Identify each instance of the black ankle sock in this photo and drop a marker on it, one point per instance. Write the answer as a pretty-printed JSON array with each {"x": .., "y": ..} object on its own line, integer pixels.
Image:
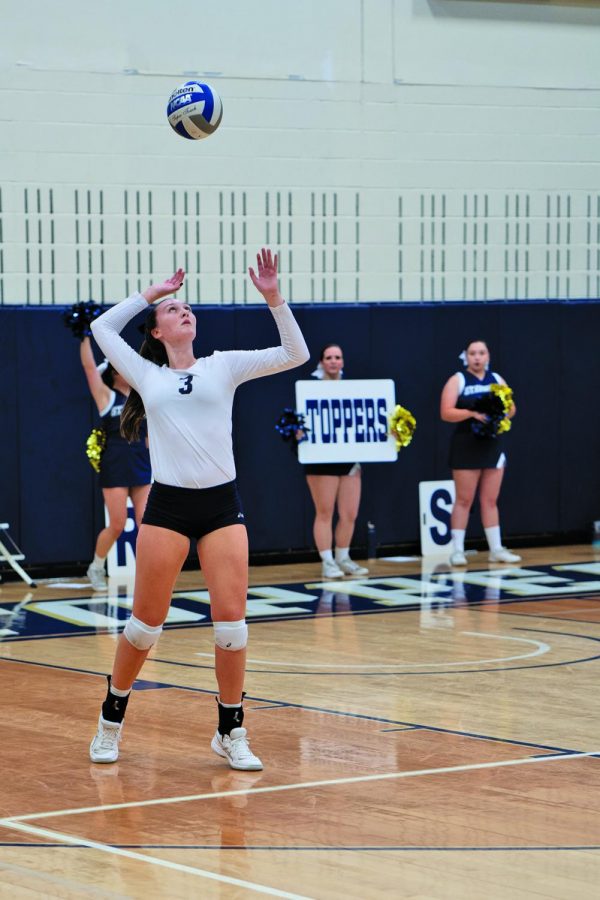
[
  {"x": 230, "y": 717},
  {"x": 113, "y": 708}
]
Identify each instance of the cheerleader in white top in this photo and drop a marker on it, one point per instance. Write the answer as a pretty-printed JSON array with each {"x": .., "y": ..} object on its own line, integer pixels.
[
  {"x": 187, "y": 403},
  {"x": 476, "y": 462}
]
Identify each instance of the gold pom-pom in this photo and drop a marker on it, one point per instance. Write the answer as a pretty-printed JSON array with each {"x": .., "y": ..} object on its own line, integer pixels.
[
  {"x": 505, "y": 395},
  {"x": 95, "y": 445},
  {"x": 402, "y": 426}
]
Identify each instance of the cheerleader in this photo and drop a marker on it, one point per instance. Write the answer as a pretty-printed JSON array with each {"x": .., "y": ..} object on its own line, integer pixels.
[
  {"x": 188, "y": 402},
  {"x": 124, "y": 467},
  {"x": 476, "y": 462},
  {"x": 334, "y": 485}
]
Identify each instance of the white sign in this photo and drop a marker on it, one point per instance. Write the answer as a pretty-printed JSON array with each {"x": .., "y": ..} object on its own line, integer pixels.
[
  {"x": 436, "y": 499},
  {"x": 348, "y": 420},
  {"x": 121, "y": 556}
]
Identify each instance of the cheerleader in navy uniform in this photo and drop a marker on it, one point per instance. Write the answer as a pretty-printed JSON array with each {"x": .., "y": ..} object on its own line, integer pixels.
[
  {"x": 124, "y": 467},
  {"x": 476, "y": 462},
  {"x": 331, "y": 485}
]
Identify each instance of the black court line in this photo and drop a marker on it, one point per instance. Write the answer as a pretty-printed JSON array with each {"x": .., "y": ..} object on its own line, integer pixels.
[
  {"x": 549, "y": 618},
  {"x": 311, "y": 849},
  {"x": 138, "y": 685},
  {"x": 342, "y": 674},
  {"x": 411, "y": 728},
  {"x": 271, "y": 706},
  {"x": 276, "y": 704},
  {"x": 585, "y": 637}
]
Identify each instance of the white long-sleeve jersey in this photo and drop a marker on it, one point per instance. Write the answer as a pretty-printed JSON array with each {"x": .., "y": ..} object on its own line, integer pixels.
[{"x": 189, "y": 411}]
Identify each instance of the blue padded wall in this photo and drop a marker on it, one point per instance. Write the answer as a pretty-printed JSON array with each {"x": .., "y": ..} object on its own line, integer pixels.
[{"x": 546, "y": 351}]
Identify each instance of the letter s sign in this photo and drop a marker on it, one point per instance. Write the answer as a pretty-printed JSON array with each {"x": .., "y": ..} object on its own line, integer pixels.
[
  {"x": 441, "y": 508},
  {"x": 436, "y": 499}
]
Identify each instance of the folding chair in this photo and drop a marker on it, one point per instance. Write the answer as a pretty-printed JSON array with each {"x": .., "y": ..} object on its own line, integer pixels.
[{"x": 11, "y": 553}]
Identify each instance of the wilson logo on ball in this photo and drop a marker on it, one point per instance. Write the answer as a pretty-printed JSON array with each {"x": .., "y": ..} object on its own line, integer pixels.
[{"x": 194, "y": 110}]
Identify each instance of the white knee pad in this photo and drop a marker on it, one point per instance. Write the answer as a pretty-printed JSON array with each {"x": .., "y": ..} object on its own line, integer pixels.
[
  {"x": 231, "y": 635},
  {"x": 140, "y": 635}
]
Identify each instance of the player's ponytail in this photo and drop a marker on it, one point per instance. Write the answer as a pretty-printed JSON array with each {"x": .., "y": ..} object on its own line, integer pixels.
[{"x": 133, "y": 411}]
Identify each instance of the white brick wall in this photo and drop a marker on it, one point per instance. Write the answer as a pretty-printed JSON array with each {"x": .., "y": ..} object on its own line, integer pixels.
[{"x": 391, "y": 149}]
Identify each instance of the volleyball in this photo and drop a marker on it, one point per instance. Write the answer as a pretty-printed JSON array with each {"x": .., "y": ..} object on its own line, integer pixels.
[{"x": 194, "y": 110}]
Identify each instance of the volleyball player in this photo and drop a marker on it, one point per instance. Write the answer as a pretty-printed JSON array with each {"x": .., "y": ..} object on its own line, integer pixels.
[{"x": 188, "y": 404}]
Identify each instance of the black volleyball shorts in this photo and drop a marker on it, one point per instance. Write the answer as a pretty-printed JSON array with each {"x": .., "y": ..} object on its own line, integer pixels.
[
  {"x": 194, "y": 512},
  {"x": 337, "y": 469}
]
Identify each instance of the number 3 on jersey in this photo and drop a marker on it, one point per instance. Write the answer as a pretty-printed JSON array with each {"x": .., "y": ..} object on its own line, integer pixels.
[{"x": 187, "y": 384}]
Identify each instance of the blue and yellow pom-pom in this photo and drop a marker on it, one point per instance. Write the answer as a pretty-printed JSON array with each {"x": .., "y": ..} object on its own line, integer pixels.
[{"x": 496, "y": 405}]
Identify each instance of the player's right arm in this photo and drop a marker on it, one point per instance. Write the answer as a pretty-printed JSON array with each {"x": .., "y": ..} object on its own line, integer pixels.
[{"x": 107, "y": 329}]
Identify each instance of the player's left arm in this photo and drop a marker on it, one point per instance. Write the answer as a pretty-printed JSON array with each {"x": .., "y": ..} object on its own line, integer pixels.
[{"x": 247, "y": 364}]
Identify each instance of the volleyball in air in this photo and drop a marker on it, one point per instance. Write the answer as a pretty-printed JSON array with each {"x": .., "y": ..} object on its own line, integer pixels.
[{"x": 194, "y": 110}]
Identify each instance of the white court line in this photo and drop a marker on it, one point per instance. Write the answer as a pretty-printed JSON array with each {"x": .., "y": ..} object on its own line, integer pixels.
[
  {"x": 358, "y": 779},
  {"x": 16, "y": 823},
  {"x": 156, "y": 861},
  {"x": 540, "y": 645}
]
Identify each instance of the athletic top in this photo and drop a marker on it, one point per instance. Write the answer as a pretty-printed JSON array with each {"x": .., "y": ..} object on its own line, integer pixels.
[
  {"x": 189, "y": 410},
  {"x": 470, "y": 388},
  {"x": 123, "y": 464},
  {"x": 111, "y": 415},
  {"x": 111, "y": 419}
]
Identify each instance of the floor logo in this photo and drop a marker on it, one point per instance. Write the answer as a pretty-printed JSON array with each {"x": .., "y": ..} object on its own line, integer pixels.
[{"x": 435, "y": 587}]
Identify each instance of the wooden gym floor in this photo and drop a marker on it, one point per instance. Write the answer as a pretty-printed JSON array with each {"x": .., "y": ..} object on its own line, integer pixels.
[{"x": 426, "y": 733}]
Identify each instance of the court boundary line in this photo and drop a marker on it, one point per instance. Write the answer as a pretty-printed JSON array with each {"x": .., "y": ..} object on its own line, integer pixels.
[
  {"x": 270, "y": 789},
  {"x": 18, "y": 823}
]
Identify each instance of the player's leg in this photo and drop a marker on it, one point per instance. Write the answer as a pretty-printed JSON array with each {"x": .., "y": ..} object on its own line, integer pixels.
[
  {"x": 223, "y": 556},
  {"x": 160, "y": 554}
]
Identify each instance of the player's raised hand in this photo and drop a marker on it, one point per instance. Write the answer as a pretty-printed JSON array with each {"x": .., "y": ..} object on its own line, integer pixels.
[
  {"x": 266, "y": 280},
  {"x": 168, "y": 286}
]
